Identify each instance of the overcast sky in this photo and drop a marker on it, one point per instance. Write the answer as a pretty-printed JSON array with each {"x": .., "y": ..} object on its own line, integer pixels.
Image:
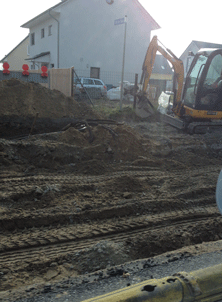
[{"x": 180, "y": 22}]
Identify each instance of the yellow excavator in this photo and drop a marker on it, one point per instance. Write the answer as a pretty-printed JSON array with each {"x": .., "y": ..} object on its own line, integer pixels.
[{"x": 197, "y": 103}]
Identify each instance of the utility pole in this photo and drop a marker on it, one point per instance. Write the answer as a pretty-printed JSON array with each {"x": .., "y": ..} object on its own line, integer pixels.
[{"x": 124, "y": 49}]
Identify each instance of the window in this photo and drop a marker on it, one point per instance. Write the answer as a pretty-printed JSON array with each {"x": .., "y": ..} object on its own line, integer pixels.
[
  {"x": 77, "y": 81},
  {"x": 214, "y": 71},
  {"x": 42, "y": 33},
  {"x": 33, "y": 39},
  {"x": 88, "y": 81},
  {"x": 189, "y": 92},
  {"x": 94, "y": 72},
  {"x": 97, "y": 82},
  {"x": 50, "y": 30}
]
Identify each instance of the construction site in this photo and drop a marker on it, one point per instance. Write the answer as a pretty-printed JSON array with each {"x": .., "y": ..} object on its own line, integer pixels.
[{"x": 84, "y": 192}]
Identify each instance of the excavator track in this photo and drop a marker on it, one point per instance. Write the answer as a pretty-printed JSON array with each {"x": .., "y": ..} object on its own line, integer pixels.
[{"x": 203, "y": 127}]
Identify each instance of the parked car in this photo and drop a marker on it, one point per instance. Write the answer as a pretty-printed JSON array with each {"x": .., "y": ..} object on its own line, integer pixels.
[{"x": 95, "y": 87}]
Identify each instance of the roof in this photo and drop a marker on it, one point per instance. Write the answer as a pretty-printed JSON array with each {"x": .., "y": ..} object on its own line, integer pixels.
[
  {"x": 161, "y": 66},
  {"x": 2, "y": 60},
  {"x": 206, "y": 44},
  {"x": 42, "y": 15},
  {"x": 42, "y": 54},
  {"x": 45, "y": 14},
  {"x": 146, "y": 15},
  {"x": 200, "y": 45}
]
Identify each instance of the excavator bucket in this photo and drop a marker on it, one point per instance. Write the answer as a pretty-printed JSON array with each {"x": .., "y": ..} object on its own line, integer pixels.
[{"x": 144, "y": 108}]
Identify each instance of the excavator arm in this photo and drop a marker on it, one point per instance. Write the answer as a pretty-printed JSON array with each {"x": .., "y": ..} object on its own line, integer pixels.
[{"x": 178, "y": 69}]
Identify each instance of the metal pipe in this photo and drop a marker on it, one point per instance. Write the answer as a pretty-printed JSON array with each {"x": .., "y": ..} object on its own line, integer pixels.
[
  {"x": 202, "y": 285},
  {"x": 124, "y": 49},
  {"x": 57, "y": 38}
]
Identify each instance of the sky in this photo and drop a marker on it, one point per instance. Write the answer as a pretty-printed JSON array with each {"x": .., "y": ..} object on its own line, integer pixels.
[{"x": 180, "y": 21}]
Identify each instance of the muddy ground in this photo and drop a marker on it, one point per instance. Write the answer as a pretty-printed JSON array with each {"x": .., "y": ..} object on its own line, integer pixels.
[{"x": 77, "y": 197}]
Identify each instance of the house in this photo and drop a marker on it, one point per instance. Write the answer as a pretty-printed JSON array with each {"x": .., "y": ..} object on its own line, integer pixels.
[
  {"x": 193, "y": 48},
  {"x": 18, "y": 55},
  {"x": 89, "y": 35},
  {"x": 162, "y": 76}
]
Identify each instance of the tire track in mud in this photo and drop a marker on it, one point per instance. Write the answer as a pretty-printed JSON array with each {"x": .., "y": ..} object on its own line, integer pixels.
[
  {"x": 60, "y": 244},
  {"x": 130, "y": 208},
  {"x": 47, "y": 236},
  {"x": 104, "y": 177},
  {"x": 178, "y": 196},
  {"x": 15, "y": 188},
  {"x": 160, "y": 203}
]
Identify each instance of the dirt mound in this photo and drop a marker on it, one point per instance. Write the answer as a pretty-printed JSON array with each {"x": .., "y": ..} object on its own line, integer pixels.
[
  {"x": 73, "y": 136},
  {"x": 24, "y": 99},
  {"x": 113, "y": 143},
  {"x": 74, "y": 150},
  {"x": 21, "y": 101}
]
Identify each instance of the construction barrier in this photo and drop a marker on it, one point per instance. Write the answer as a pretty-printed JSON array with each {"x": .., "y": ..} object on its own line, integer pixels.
[
  {"x": 59, "y": 79},
  {"x": 204, "y": 285}
]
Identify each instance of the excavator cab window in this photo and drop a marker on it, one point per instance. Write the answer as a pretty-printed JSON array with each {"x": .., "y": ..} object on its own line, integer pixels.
[
  {"x": 203, "y": 89},
  {"x": 211, "y": 94},
  {"x": 192, "y": 80}
]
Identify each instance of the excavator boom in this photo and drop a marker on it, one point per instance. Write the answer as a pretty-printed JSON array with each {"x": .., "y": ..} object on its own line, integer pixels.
[
  {"x": 148, "y": 64},
  {"x": 177, "y": 64}
]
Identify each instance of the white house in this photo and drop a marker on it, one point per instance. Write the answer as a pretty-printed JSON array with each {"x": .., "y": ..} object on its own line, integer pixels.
[
  {"x": 81, "y": 33},
  {"x": 193, "y": 48}
]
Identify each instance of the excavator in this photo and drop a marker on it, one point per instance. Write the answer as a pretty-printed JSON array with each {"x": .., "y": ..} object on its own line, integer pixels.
[{"x": 197, "y": 102}]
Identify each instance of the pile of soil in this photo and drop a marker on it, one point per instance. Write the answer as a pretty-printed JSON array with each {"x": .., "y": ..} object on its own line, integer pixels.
[
  {"x": 18, "y": 98},
  {"x": 71, "y": 148},
  {"x": 21, "y": 102}
]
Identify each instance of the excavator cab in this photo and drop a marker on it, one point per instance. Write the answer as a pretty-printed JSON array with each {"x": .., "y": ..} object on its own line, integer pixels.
[{"x": 203, "y": 85}]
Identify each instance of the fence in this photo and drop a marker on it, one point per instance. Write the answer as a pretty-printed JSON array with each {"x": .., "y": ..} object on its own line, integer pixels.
[
  {"x": 110, "y": 78},
  {"x": 59, "y": 79},
  {"x": 62, "y": 79}
]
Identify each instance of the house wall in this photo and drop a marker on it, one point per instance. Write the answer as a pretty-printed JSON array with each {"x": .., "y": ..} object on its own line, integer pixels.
[
  {"x": 89, "y": 38},
  {"x": 48, "y": 43},
  {"x": 161, "y": 85},
  {"x": 17, "y": 57},
  {"x": 187, "y": 60}
]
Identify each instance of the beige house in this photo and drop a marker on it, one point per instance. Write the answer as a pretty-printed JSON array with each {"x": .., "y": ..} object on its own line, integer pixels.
[
  {"x": 161, "y": 78},
  {"x": 17, "y": 57}
]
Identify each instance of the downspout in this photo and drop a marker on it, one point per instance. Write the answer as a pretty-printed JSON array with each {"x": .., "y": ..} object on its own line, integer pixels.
[{"x": 57, "y": 39}]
